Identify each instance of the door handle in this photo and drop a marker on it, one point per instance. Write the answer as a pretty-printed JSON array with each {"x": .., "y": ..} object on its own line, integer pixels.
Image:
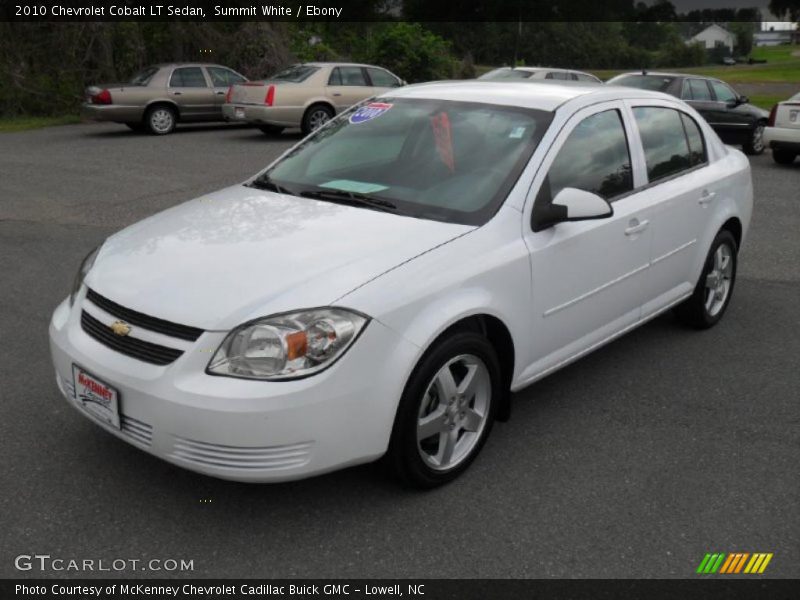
[
  {"x": 176, "y": 93},
  {"x": 221, "y": 93},
  {"x": 706, "y": 197},
  {"x": 635, "y": 226},
  {"x": 336, "y": 94}
]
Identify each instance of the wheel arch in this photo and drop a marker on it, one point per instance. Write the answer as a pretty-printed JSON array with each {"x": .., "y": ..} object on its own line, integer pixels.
[
  {"x": 734, "y": 225},
  {"x": 497, "y": 332},
  {"x": 161, "y": 101}
]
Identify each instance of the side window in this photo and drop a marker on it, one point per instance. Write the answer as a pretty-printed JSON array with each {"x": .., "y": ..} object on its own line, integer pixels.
[
  {"x": 352, "y": 76},
  {"x": 222, "y": 77},
  {"x": 594, "y": 158},
  {"x": 697, "y": 145},
  {"x": 666, "y": 149},
  {"x": 188, "y": 77},
  {"x": 723, "y": 92},
  {"x": 699, "y": 89},
  {"x": 336, "y": 77},
  {"x": 585, "y": 77},
  {"x": 381, "y": 78},
  {"x": 556, "y": 75}
]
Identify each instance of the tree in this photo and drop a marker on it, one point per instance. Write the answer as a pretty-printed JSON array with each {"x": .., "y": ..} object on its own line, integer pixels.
[
  {"x": 744, "y": 36},
  {"x": 783, "y": 8}
]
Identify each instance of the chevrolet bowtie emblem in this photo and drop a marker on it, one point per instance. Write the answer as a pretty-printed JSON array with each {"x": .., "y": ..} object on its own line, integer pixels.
[{"x": 120, "y": 328}]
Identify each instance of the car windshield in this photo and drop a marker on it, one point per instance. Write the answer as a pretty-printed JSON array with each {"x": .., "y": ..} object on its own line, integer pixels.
[
  {"x": 144, "y": 76},
  {"x": 508, "y": 74},
  {"x": 444, "y": 160},
  {"x": 657, "y": 83},
  {"x": 295, "y": 74}
]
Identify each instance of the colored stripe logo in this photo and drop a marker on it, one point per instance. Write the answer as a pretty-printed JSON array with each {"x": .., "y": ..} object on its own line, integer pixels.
[{"x": 734, "y": 563}]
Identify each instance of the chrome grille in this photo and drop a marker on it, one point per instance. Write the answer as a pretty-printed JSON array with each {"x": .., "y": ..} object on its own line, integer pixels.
[
  {"x": 145, "y": 351},
  {"x": 242, "y": 457},
  {"x": 132, "y": 317}
]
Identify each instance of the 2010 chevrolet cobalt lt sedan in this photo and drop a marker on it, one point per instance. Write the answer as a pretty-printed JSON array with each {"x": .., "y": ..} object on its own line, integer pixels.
[{"x": 382, "y": 287}]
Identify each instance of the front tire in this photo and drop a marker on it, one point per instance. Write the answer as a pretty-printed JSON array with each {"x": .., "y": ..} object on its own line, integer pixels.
[
  {"x": 783, "y": 157},
  {"x": 447, "y": 411},
  {"x": 712, "y": 294},
  {"x": 160, "y": 119},
  {"x": 755, "y": 145}
]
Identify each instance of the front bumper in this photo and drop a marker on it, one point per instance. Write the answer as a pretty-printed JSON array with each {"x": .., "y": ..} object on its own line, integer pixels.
[
  {"x": 241, "y": 429},
  {"x": 117, "y": 113},
  {"x": 282, "y": 116},
  {"x": 782, "y": 138}
]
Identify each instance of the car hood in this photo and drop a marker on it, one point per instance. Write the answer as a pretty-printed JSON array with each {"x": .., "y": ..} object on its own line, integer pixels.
[{"x": 240, "y": 253}]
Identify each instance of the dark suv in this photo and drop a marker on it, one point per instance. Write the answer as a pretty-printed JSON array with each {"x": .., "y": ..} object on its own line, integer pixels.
[{"x": 735, "y": 121}]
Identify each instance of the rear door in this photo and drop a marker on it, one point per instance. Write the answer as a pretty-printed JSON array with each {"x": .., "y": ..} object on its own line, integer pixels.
[
  {"x": 192, "y": 93},
  {"x": 348, "y": 85},
  {"x": 681, "y": 191}
]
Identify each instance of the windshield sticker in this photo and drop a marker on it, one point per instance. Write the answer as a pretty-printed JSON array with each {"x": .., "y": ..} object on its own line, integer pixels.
[
  {"x": 358, "y": 187},
  {"x": 369, "y": 112},
  {"x": 443, "y": 137},
  {"x": 517, "y": 133}
]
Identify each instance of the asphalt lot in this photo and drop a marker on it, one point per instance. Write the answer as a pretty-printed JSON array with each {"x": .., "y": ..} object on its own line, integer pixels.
[{"x": 633, "y": 462}]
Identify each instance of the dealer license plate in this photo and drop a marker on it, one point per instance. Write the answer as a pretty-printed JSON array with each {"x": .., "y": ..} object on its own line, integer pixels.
[
  {"x": 793, "y": 115},
  {"x": 96, "y": 397},
  {"x": 238, "y": 112}
]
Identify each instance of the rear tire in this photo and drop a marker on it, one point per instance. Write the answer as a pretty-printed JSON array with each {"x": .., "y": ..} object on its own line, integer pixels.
[
  {"x": 160, "y": 119},
  {"x": 783, "y": 157},
  {"x": 315, "y": 117},
  {"x": 271, "y": 129},
  {"x": 446, "y": 412},
  {"x": 755, "y": 145},
  {"x": 712, "y": 294}
]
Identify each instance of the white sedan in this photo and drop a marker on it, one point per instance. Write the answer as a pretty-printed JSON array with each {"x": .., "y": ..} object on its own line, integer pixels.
[
  {"x": 782, "y": 133},
  {"x": 382, "y": 287}
]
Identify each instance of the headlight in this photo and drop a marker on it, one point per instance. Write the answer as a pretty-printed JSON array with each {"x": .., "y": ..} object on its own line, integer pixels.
[
  {"x": 85, "y": 267},
  {"x": 287, "y": 346}
]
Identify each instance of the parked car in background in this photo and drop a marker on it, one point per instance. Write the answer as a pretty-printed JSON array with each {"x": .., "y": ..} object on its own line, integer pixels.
[
  {"x": 385, "y": 285},
  {"x": 783, "y": 131},
  {"x": 538, "y": 73},
  {"x": 729, "y": 113},
  {"x": 305, "y": 95},
  {"x": 160, "y": 96}
]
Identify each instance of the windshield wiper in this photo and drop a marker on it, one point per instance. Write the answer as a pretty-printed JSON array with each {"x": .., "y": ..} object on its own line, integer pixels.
[
  {"x": 265, "y": 183},
  {"x": 353, "y": 198}
]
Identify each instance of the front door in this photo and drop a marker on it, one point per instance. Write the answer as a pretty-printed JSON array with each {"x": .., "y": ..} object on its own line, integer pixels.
[{"x": 588, "y": 276}]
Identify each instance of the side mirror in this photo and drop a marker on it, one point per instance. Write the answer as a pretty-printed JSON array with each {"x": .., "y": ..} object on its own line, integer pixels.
[
  {"x": 742, "y": 100},
  {"x": 571, "y": 204}
]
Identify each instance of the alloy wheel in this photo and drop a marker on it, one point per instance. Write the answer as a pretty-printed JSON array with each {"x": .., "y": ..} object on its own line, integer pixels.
[
  {"x": 161, "y": 120},
  {"x": 453, "y": 412},
  {"x": 718, "y": 281}
]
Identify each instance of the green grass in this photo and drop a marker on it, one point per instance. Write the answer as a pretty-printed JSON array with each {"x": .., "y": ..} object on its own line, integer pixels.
[
  {"x": 10, "y": 124},
  {"x": 766, "y": 101}
]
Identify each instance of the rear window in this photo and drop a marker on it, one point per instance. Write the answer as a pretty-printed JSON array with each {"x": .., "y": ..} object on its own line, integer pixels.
[
  {"x": 656, "y": 83},
  {"x": 508, "y": 74},
  {"x": 295, "y": 74},
  {"x": 144, "y": 76}
]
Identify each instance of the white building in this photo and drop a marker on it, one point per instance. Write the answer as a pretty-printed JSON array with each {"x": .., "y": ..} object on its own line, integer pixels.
[{"x": 714, "y": 36}]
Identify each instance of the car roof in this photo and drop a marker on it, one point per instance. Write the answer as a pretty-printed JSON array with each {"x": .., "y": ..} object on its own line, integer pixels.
[
  {"x": 540, "y": 95},
  {"x": 188, "y": 64},
  {"x": 338, "y": 64},
  {"x": 665, "y": 74}
]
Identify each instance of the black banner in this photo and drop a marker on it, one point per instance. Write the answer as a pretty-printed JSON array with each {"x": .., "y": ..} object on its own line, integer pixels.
[
  {"x": 54, "y": 11},
  {"x": 422, "y": 589}
]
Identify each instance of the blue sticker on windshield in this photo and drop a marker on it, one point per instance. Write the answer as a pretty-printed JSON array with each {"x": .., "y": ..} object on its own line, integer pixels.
[{"x": 369, "y": 112}]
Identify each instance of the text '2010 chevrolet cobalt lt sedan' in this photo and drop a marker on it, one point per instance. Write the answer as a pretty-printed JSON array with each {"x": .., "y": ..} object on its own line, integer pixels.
[{"x": 382, "y": 287}]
